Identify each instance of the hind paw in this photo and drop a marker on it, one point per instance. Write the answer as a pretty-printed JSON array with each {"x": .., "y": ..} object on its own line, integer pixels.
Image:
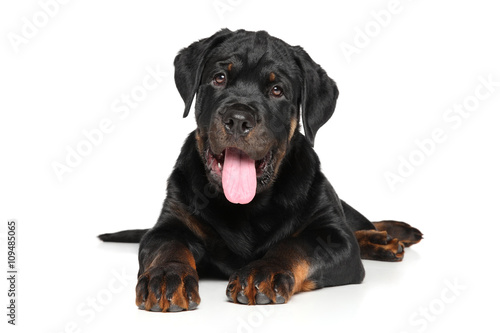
[
  {"x": 407, "y": 234},
  {"x": 379, "y": 245}
]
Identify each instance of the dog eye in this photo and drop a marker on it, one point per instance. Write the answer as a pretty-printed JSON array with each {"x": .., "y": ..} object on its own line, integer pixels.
[
  {"x": 219, "y": 79},
  {"x": 277, "y": 91}
]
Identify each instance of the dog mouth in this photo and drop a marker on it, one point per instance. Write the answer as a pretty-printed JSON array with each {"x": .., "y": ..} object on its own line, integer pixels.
[{"x": 240, "y": 176}]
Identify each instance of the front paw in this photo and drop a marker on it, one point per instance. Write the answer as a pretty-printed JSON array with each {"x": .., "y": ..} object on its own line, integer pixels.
[
  {"x": 172, "y": 287},
  {"x": 261, "y": 282}
]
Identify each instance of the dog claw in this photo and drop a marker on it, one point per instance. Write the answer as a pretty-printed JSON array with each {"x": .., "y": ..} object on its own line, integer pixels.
[
  {"x": 228, "y": 292},
  {"x": 156, "y": 308},
  {"x": 261, "y": 298},
  {"x": 279, "y": 299},
  {"x": 174, "y": 308},
  {"x": 242, "y": 298},
  {"x": 192, "y": 305}
]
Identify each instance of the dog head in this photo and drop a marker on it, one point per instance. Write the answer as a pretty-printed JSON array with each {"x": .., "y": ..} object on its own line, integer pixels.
[{"x": 249, "y": 88}]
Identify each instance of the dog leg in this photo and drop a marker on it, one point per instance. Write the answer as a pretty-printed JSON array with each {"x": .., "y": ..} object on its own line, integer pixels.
[{"x": 306, "y": 262}]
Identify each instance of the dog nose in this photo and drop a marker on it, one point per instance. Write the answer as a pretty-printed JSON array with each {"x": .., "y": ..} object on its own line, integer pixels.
[{"x": 238, "y": 121}]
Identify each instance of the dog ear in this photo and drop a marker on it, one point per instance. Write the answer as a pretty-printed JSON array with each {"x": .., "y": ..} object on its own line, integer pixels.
[
  {"x": 189, "y": 65},
  {"x": 319, "y": 94}
]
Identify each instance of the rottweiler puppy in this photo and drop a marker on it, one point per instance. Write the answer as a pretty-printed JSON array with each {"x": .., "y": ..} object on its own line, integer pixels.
[{"x": 247, "y": 199}]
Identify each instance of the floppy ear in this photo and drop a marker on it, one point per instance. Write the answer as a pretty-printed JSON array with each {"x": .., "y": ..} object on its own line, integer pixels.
[
  {"x": 319, "y": 94},
  {"x": 189, "y": 64}
]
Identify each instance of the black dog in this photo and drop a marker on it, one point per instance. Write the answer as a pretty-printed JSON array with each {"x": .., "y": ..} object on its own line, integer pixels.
[{"x": 246, "y": 199}]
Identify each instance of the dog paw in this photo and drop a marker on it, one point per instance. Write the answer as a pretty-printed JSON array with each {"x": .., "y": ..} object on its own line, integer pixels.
[
  {"x": 379, "y": 245},
  {"x": 260, "y": 283},
  {"x": 172, "y": 287},
  {"x": 406, "y": 234}
]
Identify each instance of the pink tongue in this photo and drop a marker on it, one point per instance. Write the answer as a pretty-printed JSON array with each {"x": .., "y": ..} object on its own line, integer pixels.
[{"x": 239, "y": 179}]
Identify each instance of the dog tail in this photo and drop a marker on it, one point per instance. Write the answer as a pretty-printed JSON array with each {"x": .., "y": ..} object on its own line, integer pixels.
[{"x": 125, "y": 236}]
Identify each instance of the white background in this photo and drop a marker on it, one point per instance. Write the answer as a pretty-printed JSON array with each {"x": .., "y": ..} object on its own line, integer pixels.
[{"x": 66, "y": 77}]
